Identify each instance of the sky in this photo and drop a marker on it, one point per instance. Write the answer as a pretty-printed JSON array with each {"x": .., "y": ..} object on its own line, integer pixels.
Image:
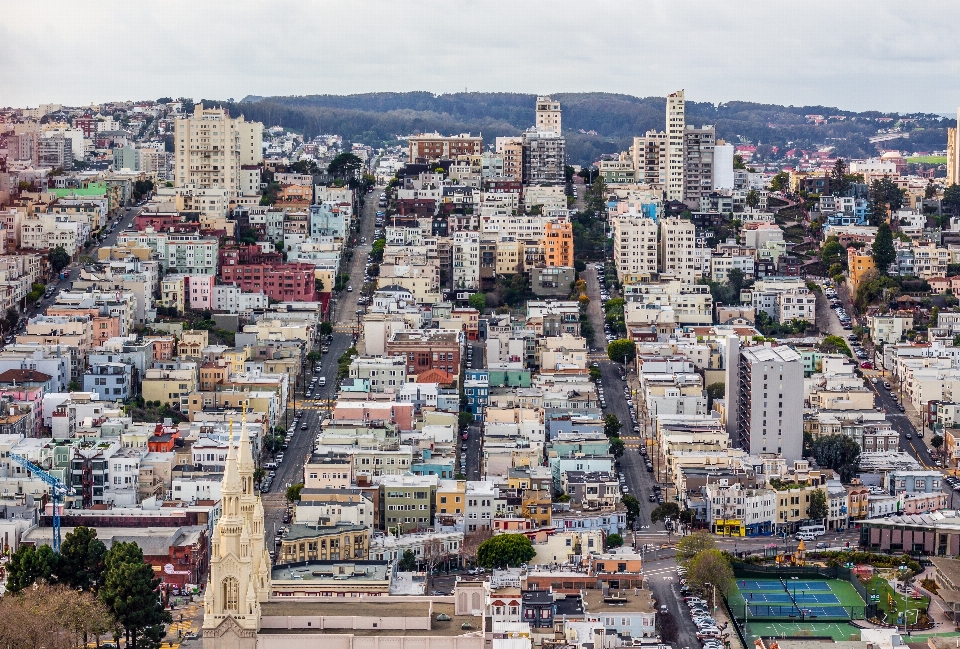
[{"x": 854, "y": 55}]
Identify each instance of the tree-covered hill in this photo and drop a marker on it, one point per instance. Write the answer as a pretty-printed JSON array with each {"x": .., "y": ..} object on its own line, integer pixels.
[{"x": 594, "y": 123}]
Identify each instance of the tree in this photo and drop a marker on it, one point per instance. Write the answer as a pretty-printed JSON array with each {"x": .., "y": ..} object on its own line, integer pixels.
[
  {"x": 632, "y": 506},
  {"x": 837, "y": 452},
  {"x": 29, "y": 565},
  {"x": 611, "y": 425},
  {"x": 665, "y": 511},
  {"x": 780, "y": 182},
  {"x": 472, "y": 542},
  {"x": 715, "y": 391},
  {"x": 614, "y": 541},
  {"x": 326, "y": 328},
  {"x": 505, "y": 550},
  {"x": 951, "y": 199},
  {"x": 434, "y": 553},
  {"x": 82, "y": 557},
  {"x": 838, "y": 178},
  {"x": 736, "y": 279},
  {"x": 710, "y": 569},
  {"x": 345, "y": 166},
  {"x": 752, "y": 199},
  {"x": 478, "y": 301},
  {"x": 54, "y": 617},
  {"x": 617, "y": 447},
  {"x": 832, "y": 253},
  {"x": 883, "y": 253},
  {"x": 293, "y": 492},
  {"x": 693, "y": 544},
  {"x": 622, "y": 350},
  {"x": 313, "y": 357},
  {"x": 936, "y": 442},
  {"x": 11, "y": 318},
  {"x": 738, "y": 162},
  {"x": 59, "y": 259},
  {"x": 130, "y": 591},
  {"x": 835, "y": 345},
  {"x": 819, "y": 510},
  {"x": 408, "y": 561}
]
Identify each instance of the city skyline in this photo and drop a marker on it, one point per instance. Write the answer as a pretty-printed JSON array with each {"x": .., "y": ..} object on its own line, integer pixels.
[{"x": 837, "y": 56}]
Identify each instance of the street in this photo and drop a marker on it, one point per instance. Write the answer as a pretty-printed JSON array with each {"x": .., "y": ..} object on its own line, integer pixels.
[{"x": 290, "y": 471}]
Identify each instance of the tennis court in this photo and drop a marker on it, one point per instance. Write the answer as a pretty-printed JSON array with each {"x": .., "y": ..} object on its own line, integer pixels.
[
  {"x": 796, "y": 599},
  {"x": 837, "y": 630}
]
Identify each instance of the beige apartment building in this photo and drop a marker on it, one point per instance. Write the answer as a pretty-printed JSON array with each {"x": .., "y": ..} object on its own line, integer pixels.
[
  {"x": 634, "y": 247},
  {"x": 676, "y": 125},
  {"x": 678, "y": 244},
  {"x": 211, "y": 147}
]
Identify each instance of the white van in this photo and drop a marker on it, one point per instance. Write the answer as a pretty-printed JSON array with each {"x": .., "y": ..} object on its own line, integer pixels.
[
  {"x": 816, "y": 530},
  {"x": 806, "y": 536},
  {"x": 322, "y": 381}
]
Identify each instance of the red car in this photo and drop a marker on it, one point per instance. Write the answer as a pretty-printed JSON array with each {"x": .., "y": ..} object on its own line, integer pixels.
[
  {"x": 867, "y": 365},
  {"x": 466, "y": 436}
]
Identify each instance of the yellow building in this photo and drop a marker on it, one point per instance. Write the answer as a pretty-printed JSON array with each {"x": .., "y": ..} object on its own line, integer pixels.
[
  {"x": 451, "y": 497},
  {"x": 793, "y": 502},
  {"x": 536, "y": 506},
  {"x": 173, "y": 293},
  {"x": 303, "y": 542},
  {"x": 169, "y": 386},
  {"x": 859, "y": 263},
  {"x": 235, "y": 358}
]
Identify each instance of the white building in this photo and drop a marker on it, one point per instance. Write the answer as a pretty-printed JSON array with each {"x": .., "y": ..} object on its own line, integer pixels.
[
  {"x": 678, "y": 243},
  {"x": 634, "y": 247}
]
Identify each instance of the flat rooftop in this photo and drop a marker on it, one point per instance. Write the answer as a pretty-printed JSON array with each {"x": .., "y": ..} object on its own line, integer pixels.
[{"x": 370, "y": 609}]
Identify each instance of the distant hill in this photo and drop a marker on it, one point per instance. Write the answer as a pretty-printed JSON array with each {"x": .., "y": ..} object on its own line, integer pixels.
[{"x": 609, "y": 121}]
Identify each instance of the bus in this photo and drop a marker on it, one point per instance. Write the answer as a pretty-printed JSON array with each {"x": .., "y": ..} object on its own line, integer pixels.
[{"x": 816, "y": 530}]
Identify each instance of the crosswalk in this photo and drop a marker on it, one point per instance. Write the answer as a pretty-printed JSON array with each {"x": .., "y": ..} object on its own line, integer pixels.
[{"x": 632, "y": 441}]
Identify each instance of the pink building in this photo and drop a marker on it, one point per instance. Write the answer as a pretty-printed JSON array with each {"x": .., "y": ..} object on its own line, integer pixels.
[
  {"x": 199, "y": 291},
  {"x": 400, "y": 414},
  {"x": 32, "y": 396},
  {"x": 924, "y": 503},
  {"x": 163, "y": 347}
]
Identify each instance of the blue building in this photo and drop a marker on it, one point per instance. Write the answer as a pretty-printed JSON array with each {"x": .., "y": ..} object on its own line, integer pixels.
[
  {"x": 111, "y": 381},
  {"x": 476, "y": 390},
  {"x": 328, "y": 220}
]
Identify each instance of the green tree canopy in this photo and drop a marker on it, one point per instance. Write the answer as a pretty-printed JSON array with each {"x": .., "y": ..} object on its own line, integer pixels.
[
  {"x": 819, "y": 509},
  {"x": 693, "y": 544},
  {"x": 622, "y": 350},
  {"x": 29, "y": 565},
  {"x": 345, "y": 166},
  {"x": 505, "y": 550},
  {"x": 614, "y": 541},
  {"x": 838, "y": 177},
  {"x": 738, "y": 162},
  {"x": 130, "y": 591},
  {"x": 883, "y": 253},
  {"x": 951, "y": 199},
  {"x": 611, "y": 425},
  {"x": 837, "y": 452},
  {"x": 293, "y": 492},
  {"x": 665, "y": 511},
  {"x": 710, "y": 569},
  {"x": 632, "y": 506},
  {"x": 833, "y": 253},
  {"x": 478, "y": 301},
  {"x": 780, "y": 182},
  {"x": 835, "y": 345},
  {"x": 752, "y": 199},
  {"x": 716, "y": 391},
  {"x": 408, "y": 561},
  {"x": 59, "y": 258},
  {"x": 82, "y": 557},
  {"x": 326, "y": 328},
  {"x": 617, "y": 447}
]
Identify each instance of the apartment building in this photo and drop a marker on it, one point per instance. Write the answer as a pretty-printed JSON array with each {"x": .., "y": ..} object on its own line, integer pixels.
[
  {"x": 428, "y": 147},
  {"x": 698, "y": 146},
  {"x": 634, "y": 247},
  {"x": 47, "y": 231},
  {"x": 293, "y": 282},
  {"x": 210, "y": 148},
  {"x": 678, "y": 244},
  {"x": 765, "y": 400},
  {"x": 676, "y": 126},
  {"x": 466, "y": 261},
  {"x": 558, "y": 243},
  {"x": 548, "y": 115},
  {"x": 649, "y": 153},
  {"x": 544, "y": 157}
]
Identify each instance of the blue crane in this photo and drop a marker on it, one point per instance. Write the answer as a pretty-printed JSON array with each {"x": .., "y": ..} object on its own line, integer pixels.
[{"x": 57, "y": 492}]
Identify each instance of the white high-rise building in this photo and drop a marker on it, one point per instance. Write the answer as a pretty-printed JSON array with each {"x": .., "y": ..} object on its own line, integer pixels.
[
  {"x": 649, "y": 154},
  {"x": 723, "y": 165},
  {"x": 211, "y": 147},
  {"x": 764, "y": 391},
  {"x": 548, "y": 115},
  {"x": 676, "y": 125},
  {"x": 953, "y": 154},
  {"x": 634, "y": 247},
  {"x": 466, "y": 260},
  {"x": 678, "y": 250}
]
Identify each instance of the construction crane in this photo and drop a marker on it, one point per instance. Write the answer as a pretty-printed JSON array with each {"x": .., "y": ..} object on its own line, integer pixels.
[{"x": 57, "y": 492}]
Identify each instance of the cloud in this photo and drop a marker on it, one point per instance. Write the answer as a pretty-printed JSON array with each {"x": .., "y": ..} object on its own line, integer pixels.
[{"x": 856, "y": 56}]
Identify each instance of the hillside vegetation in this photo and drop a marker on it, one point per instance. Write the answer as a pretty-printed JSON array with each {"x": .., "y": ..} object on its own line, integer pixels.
[{"x": 376, "y": 118}]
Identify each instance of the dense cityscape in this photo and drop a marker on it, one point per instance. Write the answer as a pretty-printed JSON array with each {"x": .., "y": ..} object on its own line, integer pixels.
[{"x": 260, "y": 384}]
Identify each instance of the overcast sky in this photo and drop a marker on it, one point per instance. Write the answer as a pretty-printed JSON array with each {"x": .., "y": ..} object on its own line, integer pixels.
[{"x": 856, "y": 55}]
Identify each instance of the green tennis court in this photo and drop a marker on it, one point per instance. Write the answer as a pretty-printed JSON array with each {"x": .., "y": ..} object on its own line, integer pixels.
[
  {"x": 836, "y": 630},
  {"x": 796, "y": 600}
]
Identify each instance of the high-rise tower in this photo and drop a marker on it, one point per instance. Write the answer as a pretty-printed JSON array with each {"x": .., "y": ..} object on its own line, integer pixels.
[{"x": 676, "y": 125}]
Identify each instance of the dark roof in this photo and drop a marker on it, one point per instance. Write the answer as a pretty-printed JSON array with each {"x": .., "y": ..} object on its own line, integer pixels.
[{"x": 24, "y": 376}]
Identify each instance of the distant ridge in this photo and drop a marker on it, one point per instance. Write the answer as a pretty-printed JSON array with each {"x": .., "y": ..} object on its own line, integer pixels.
[{"x": 594, "y": 123}]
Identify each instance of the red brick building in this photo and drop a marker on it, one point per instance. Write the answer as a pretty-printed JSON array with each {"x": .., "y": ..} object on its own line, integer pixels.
[
  {"x": 427, "y": 349},
  {"x": 250, "y": 253},
  {"x": 284, "y": 282},
  {"x": 433, "y": 146},
  {"x": 417, "y": 206}
]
